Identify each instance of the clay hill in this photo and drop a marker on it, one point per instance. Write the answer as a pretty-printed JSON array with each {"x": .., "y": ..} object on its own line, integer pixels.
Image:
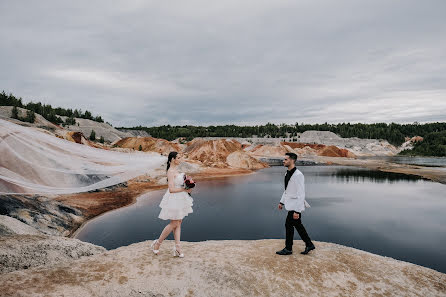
[
  {"x": 79, "y": 137},
  {"x": 148, "y": 144},
  {"x": 268, "y": 150},
  {"x": 223, "y": 153},
  {"x": 211, "y": 153},
  {"x": 319, "y": 149},
  {"x": 301, "y": 149}
]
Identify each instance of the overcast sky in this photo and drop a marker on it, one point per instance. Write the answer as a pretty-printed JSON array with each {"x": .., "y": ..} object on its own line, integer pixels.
[{"x": 222, "y": 62}]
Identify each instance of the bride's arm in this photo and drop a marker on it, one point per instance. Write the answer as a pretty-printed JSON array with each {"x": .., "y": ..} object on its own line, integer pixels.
[{"x": 171, "y": 183}]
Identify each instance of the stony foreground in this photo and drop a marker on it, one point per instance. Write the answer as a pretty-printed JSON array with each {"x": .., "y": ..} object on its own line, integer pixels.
[{"x": 227, "y": 268}]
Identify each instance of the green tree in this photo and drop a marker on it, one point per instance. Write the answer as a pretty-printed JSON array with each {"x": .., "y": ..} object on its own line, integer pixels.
[
  {"x": 30, "y": 116},
  {"x": 102, "y": 140},
  {"x": 92, "y": 135},
  {"x": 140, "y": 148},
  {"x": 70, "y": 121},
  {"x": 15, "y": 113}
]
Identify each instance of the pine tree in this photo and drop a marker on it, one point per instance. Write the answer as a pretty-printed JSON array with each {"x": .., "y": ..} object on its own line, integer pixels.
[
  {"x": 70, "y": 121},
  {"x": 102, "y": 140},
  {"x": 140, "y": 148},
  {"x": 15, "y": 113},
  {"x": 92, "y": 135},
  {"x": 30, "y": 116}
]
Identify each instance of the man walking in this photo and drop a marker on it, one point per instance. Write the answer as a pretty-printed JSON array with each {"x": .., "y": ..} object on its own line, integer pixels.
[{"x": 293, "y": 199}]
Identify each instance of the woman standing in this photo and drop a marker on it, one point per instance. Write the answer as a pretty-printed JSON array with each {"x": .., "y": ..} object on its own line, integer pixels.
[{"x": 175, "y": 205}]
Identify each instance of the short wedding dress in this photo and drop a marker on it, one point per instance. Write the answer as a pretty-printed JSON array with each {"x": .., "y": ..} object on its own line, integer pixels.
[{"x": 175, "y": 206}]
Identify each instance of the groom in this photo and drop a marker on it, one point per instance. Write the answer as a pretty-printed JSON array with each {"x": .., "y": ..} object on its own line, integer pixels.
[{"x": 293, "y": 199}]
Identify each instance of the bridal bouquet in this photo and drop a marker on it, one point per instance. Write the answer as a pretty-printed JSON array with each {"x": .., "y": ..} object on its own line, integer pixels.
[{"x": 188, "y": 182}]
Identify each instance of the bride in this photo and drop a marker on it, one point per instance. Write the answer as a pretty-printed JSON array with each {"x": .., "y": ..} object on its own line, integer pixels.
[{"x": 175, "y": 205}]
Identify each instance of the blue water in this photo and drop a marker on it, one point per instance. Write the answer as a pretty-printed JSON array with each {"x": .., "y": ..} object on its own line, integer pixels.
[{"x": 395, "y": 215}]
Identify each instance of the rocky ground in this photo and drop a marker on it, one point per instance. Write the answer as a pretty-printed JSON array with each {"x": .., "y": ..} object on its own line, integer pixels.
[
  {"x": 227, "y": 268},
  {"x": 45, "y": 214},
  {"x": 24, "y": 247}
]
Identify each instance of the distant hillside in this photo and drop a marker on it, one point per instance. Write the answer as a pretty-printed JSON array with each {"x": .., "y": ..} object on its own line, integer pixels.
[
  {"x": 393, "y": 133},
  {"x": 47, "y": 111},
  {"x": 433, "y": 144}
]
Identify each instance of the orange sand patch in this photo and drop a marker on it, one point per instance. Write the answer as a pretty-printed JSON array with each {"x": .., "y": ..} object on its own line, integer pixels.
[
  {"x": 148, "y": 144},
  {"x": 211, "y": 153},
  {"x": 334, "y": 151}
]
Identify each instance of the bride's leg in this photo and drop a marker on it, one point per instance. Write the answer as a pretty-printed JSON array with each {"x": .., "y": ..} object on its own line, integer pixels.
[
  {"x": 166, "y": 231},
  {"x": 177, "y": 235}
]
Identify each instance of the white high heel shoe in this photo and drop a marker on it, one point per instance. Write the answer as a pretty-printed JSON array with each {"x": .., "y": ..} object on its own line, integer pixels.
[
  {"x": 176, "y": 253},
  {"x": 153, "y": 247}
]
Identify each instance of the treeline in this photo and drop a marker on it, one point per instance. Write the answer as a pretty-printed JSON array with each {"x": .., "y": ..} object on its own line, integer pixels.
[
  {"x": 47, "y": 111},
  {"x": 434, "y": 144},
  {"x": 394, "y": 133},
  {"x": 30, "y": 115}
]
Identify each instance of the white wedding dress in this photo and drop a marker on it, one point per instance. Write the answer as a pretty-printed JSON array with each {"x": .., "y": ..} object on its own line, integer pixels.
[{"x": 175, "y": 206}]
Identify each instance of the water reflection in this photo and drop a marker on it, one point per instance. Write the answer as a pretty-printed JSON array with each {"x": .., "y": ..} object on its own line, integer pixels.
[
  {"x": 390, "y": 214},
  {"x": 358, "y": 175}
]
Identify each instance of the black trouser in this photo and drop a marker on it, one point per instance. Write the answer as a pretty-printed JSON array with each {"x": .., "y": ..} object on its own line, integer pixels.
[{"x": 290, "y": 223}]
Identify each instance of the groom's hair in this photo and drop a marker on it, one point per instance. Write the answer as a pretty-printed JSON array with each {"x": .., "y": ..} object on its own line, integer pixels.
[{"x": 292, "y": 156}]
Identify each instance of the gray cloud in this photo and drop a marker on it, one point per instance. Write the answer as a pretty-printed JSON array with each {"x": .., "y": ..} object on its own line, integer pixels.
[{"x": 196, "y": 62}]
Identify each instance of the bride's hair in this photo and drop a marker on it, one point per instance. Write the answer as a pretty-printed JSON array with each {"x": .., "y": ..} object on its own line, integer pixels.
[{"x": 172, "y": 155}]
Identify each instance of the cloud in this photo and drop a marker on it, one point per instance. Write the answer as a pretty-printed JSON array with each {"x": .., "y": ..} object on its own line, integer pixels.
[
  {"x": 251, "y": 62},
  {"x": 120, "y": 81}
]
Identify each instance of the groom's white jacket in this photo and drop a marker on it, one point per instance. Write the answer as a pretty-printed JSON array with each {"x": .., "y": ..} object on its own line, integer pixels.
[{"x": 294, "y": 196}]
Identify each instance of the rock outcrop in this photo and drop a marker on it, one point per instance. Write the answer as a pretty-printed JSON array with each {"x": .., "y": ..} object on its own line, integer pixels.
[
  {"x": 227, "y": 268},
  {"x": 18, "y": 252},
  {"x": 47, "y": 215},
  {"x": 11, "y": 226}
]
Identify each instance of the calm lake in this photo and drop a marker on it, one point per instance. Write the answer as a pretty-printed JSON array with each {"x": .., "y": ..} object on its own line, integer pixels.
[{"x": 394, "y": 215}]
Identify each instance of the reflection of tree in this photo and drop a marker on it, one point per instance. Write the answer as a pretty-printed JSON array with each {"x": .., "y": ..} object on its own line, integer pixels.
[{"x": 349, "y": 175}]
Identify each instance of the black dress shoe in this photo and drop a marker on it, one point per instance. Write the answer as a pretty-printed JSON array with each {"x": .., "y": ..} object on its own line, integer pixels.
[
  {"x": 308, "y": 249},
  {"x": 284, "y": 252}
]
